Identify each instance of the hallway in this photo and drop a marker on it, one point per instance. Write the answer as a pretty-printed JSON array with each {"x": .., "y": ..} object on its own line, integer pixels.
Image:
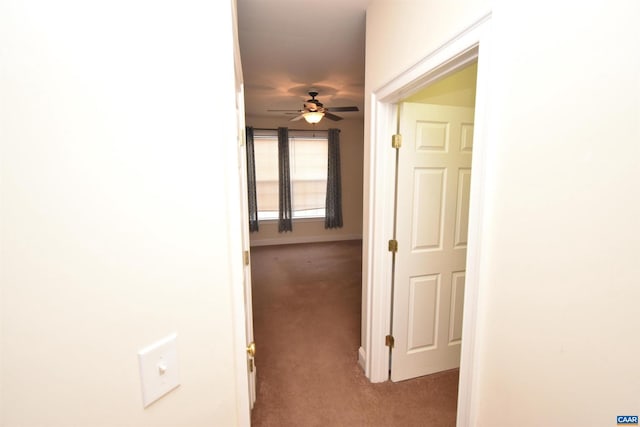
[{"x": 306, "y": 308}]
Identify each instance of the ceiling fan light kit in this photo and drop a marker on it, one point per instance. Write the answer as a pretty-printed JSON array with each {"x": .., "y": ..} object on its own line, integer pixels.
[
  {"x": 313, "y": 110},
  {"x": 313, "y": 116}
]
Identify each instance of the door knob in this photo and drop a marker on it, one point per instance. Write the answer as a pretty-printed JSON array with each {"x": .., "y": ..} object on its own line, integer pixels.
[{"x": 251, "y": 349}]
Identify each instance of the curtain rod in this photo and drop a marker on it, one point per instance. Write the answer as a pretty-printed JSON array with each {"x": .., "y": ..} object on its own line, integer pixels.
[{"x": 296, "y": 130}]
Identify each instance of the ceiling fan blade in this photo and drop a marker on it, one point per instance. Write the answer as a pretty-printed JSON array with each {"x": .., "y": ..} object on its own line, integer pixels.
[
  {"x": 354, "y": 108},
  {"x": 295, "y": 111},
  {"x": 332, "y": 117},
  {"x": 297, "y": 118}
]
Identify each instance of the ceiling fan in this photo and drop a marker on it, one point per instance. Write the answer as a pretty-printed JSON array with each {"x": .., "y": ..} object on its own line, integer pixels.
[{"x": 313, "y": 110}]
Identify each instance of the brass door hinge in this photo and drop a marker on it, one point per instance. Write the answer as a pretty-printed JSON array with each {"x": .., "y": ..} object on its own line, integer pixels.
[
  {"x": 396, "y": 141},
  {"x": 389, "y": 341},
  {"x": 251, "y": 351},
  {"x": 245, "y": 256},
  {"x": 393, "y": 245}
]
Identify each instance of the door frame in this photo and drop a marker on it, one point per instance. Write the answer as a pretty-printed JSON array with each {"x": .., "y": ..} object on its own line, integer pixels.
[
  {"x": 238, "y": 221},
  {"x": 469, "y": 45}
]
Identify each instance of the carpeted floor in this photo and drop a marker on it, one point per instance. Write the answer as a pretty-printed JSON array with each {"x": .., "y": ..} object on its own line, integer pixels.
[{"x": 306, "y": 311}]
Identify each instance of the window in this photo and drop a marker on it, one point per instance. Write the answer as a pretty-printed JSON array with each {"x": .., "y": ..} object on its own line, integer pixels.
[{"x": 308, "y": 163}]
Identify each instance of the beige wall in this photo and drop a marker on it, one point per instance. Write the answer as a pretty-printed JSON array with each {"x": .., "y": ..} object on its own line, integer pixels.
[
  {"x": 351, "y": 157},
  {"x": 557, "y": 313},
  {"x": 114, "y": 119},
  {"x": 425, "y": 25}
]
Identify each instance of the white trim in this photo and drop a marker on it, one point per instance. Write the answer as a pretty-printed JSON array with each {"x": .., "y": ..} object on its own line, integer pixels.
[
  {"x": 362, "y": 358},
  {"x": 379, "y": 232},
  {"x": 478, "y": 212},
  {"x": 448, "y": 58},
  {"x": 286, "y": 240},
  {"x": 451, "y": 56}
]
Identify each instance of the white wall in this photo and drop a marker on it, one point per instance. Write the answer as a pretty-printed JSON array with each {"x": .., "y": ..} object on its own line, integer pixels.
[
  {"x": 559, "y": 258},
  {"x": 351, "y": 160},
  {"x": 117, "y": 132}
]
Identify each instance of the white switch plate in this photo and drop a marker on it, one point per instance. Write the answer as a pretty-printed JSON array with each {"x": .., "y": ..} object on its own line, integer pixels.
[{"x": 158, "y": 369}]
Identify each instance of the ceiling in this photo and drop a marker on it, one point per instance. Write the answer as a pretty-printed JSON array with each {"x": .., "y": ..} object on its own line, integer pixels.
[{"x": 288, "y": 47}]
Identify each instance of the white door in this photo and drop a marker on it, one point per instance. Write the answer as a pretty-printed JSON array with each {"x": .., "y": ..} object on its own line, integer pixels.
[
  {"x": 434, "y": 177},
  {"x": 242, "y": 161}
]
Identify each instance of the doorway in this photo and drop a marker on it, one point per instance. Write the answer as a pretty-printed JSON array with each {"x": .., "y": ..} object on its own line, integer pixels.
[
  {"x": 454, "y": 55},
  {"x": 433, "y": 173},
  {"x": 458, "y": 52}
]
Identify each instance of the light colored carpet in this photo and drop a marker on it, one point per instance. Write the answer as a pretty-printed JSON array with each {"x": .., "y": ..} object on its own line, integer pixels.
[{"x": 306, "y": 305}]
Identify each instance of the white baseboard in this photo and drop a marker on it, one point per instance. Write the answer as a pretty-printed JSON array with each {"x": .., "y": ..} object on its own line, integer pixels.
[
  {"x": 287, "y": 240},
  {"x": 362, "y": 358}
]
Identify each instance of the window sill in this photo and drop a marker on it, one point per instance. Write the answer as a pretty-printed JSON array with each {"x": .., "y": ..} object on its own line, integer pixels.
[{"x": 297, "y": 220}]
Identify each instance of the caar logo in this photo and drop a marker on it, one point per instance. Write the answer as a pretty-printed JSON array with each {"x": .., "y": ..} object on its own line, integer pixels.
[{"x": 627, "y": 419}]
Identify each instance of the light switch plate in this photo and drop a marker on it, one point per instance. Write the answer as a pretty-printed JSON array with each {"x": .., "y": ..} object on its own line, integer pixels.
[{"x": 158, "y": 369}]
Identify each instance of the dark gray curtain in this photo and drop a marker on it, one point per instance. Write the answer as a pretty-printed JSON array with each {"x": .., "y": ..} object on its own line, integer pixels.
[
  {"x": 284, "y": 193},
  {"x": 333, "y": 216},
  {"x": 251, "y": 181}
]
